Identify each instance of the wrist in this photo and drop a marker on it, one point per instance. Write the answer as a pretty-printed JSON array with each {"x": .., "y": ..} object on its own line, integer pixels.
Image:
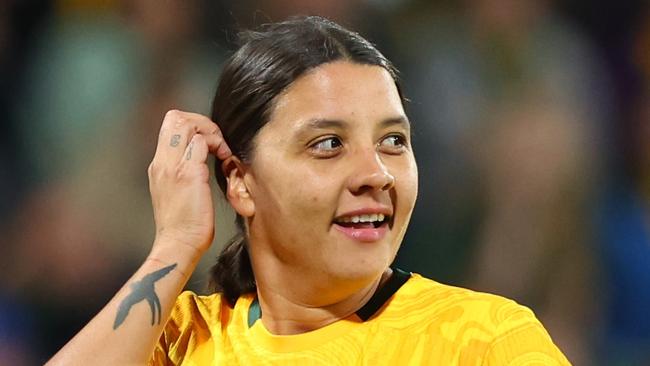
[{"x": 168, "y": 251}]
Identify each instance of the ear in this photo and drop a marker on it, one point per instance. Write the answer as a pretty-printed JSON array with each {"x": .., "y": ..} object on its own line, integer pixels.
[{"x": 237, "y": 191}]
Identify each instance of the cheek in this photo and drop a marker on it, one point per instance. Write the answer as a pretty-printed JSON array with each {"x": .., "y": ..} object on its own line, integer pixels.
[
  {"x": 413, "y": 182},
  {"x": 406, "y": 183},
  {"x": 299, "y": 192},
  {"x": 315, "y": 192}
]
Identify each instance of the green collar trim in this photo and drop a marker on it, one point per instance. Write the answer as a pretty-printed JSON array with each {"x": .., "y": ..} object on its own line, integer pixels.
[{"x": 254, "y": 312}]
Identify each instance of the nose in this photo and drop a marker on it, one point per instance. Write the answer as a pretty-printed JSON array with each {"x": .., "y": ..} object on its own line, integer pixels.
[{"x": 370, "y": 173}]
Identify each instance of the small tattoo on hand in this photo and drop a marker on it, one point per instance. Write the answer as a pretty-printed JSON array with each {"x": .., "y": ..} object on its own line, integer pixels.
[
  {"x": 176, "y": 139},
  {"x": 188, "y": 156}
]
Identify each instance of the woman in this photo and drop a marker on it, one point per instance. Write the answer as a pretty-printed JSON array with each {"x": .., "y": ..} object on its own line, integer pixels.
[{"x": 323, "y": 180}]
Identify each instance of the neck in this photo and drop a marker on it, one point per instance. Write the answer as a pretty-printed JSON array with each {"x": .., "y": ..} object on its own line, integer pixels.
[{"x": 290, "y": 310}]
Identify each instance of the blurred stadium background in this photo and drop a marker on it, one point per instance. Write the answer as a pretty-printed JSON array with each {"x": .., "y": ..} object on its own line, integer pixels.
[{"x": 531, "y": 129}]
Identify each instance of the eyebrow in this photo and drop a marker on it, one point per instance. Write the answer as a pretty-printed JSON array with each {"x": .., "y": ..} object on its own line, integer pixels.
[
  {"x": 324, "y": 123},
  {"x": 400, "y": 120}
]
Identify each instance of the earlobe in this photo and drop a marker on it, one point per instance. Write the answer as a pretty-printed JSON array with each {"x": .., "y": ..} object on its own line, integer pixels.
[{"x": 237, "y": 191}]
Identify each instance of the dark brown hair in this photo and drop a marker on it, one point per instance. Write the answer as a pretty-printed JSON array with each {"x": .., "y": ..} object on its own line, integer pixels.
[{"x": 266, "y": 63}]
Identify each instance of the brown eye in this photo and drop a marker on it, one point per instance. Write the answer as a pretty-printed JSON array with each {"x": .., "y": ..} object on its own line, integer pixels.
[
  {"x": 393, "y": 142},
  {"x": 328, "y": 144}
]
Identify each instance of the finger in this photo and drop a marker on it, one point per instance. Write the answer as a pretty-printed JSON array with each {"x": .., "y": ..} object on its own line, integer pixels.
[
  {"x": 197, "y": 150},
  {"x": 177, "y": 130},
  {"x": 217, "y": 145},
  {"x": 194, "y": 159}
]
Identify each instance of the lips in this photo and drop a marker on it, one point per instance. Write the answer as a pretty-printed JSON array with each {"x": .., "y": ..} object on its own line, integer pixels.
[
  {"x": 365, "y": 224},
  {"x": 365, "y": 233}
]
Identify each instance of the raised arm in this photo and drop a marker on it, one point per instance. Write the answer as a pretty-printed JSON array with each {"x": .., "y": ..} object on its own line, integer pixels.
[{"x": 126, "y": 330}]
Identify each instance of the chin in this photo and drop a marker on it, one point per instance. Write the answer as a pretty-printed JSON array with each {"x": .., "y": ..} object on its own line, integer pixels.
[{"x": 362, "y": 270}]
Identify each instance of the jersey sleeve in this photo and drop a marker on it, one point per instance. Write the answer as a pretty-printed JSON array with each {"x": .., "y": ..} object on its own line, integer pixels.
[
  {"x": 172, "y": 344},
  {"x": 159, "y": 356},
  {"x": 520, "y": 339}
]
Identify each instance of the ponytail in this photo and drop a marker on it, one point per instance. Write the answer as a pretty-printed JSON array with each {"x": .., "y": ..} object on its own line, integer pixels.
[{"x": 232, "y": 275}]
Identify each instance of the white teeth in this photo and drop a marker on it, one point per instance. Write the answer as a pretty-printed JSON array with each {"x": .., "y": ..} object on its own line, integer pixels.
[{"x": 362, "y": 218}]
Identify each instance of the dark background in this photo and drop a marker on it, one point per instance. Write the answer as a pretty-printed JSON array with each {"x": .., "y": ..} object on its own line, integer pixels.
[{"x": 531, "y": 130}]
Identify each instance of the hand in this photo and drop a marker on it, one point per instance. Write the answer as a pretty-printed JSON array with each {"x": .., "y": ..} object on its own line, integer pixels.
[{"x": 178, "y": 179}]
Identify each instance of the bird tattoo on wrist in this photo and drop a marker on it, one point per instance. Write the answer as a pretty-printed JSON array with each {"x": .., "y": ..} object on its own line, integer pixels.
[{"x": 140, "y": 291}]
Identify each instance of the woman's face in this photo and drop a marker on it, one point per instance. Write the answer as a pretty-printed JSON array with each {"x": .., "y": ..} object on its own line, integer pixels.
[{"x": 335, "y": 154}]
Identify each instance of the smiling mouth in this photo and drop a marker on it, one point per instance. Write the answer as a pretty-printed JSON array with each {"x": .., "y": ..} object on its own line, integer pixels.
[
  {"x": 364, "y": 228},
  {"x": 363, "y": 221}
]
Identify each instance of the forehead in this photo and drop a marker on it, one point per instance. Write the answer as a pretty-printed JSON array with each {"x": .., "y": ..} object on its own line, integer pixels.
[{"x": 339, "y": 90}]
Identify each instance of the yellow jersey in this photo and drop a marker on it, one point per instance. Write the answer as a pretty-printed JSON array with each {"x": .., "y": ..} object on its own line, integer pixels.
[{"x": 420, "y": 322}]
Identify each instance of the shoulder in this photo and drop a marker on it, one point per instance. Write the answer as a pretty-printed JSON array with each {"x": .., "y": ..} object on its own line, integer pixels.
[
  {"x": 191, "y": 316},
  {"x": 190, "y": 300},
  {"x": 435, "y": 300},
  {"x": 191, "y": 309},
  {"x": 504, "y": 329}
]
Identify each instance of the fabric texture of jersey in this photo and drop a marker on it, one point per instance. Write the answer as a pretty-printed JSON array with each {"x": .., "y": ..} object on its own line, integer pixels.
[{"x": 423, "y": 323}]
